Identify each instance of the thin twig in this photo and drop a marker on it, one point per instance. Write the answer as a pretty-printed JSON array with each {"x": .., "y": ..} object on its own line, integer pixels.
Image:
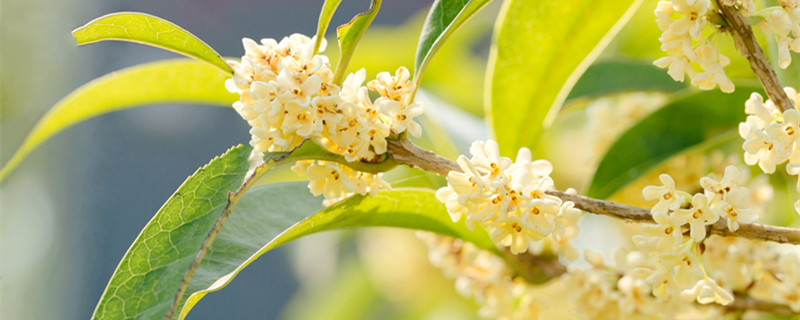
[
  {"x": 746, "y": 42},
  {"x": 542, "y": 268},
  {"x": 406, "y": 152},
  {"x": 744, "y": 302}
]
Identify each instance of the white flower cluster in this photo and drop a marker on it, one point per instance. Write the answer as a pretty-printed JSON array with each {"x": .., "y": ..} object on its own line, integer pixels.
[
  {"x": 679, "y": 270},
  {"x": 509, "y": 200},
  {"x": 772, "y": 137},
  {"x": 720, "y": 199},
  {"x": 686, "y": 43},
  {"x": 288, "y": 95},
  {"x": 336, "y": 182},
  {"x": 784, "y": 23},
  {"x": 621, "y": 292},
  {"x": 483, "y": 276},
  {"x": 764, "y": 270}
]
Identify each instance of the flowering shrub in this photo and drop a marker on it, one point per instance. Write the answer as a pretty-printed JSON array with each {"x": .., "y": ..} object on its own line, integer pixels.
[{"x": 704, "y": 242}]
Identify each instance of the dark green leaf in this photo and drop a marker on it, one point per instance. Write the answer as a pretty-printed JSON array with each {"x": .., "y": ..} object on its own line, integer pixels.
[
  {"x": 606, "y": 77},
  {"x": 349, "y": 34},
  {"x": 169, "y": 81},
  {"x": 151, "y": 30},
  {"x": 443, "y": 20},
  {"x": 541, "y": 48},
  {"x": 678, "y": 126}
]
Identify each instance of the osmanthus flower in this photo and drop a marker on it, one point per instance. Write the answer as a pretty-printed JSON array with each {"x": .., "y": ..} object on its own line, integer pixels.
[
  {"x": 668, "y": 197},
  {"x": 683, "y": 24},
  {"x": 483, "y": 276},
  {"x": 336, "y": 182},
  {"x": 728, "y": 199},
  {"x": 288, "y": 95},
  {"x": 787, "y": 286},
  {"x": 698, "y": 216},
  {"x": 707, "y": 291},
  {"x": 509, "y": 199},
  {"x": 783, "y": 22}
]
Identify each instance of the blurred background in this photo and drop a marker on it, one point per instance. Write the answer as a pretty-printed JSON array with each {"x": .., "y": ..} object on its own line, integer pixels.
[{"x": 72, "y": 209}]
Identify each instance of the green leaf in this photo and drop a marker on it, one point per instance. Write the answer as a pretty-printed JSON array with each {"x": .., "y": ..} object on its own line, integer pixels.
[
  {"x": 540, "y": 50},
  {"x": 272, "y": 215},
  {"x": 444, "y": 18},
  {"x": 151, "y": 30},
  {"x": 169, "y": 81},
  {"x": 328, "y": 8},
  {"x": 623, "y": 75},
  {"x": 349, "y": 35},
  {"x": 676, "y": 127},
  {"x": 266, "y": 217},
  {"x": 150, "y": 273}
]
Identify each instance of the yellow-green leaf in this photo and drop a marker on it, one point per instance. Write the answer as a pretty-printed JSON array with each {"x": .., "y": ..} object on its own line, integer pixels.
[
  {"x": 151, "y": 30},
  {"x": 349, "y": 34},
  {"x": 540, "y": 50},
  {"x": 169, "y": 81},
  {"x": 325, "y": 15}
]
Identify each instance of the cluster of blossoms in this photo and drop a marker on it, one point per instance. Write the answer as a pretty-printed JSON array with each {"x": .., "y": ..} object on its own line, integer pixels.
[
  {"x": 764, "y": 270},
  {"x": 686, "y": 42},
  {"x": 679, "y": 270},
  {"x": 509, "y": 200},
  {"x": 336, "y": 182},
  {"x": 483, "y": 276},
  {"x": 288, "y": 95},
  {"x": 620, "y": 291},
  {"x": 688, "y": 29},
  {"x": 608, "y": 117},
  {"x": 783, "y": 22},
  {"x": 625, "y": 290},
  {"x": 772, "y": 137}
]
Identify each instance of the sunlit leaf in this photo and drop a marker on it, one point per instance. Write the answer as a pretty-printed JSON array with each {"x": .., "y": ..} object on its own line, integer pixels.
[
  {"x": 170, "y": 81},
  {"x": 325, "y": 15},
  {"x": 676, "y": 127},
  {"x": 150, "y": 273},
  {"x": 150, "y": 30},
  {"x": 444, "y": 18},
  {"x": 272, "y": 215},
  {"x": 540, "y": 50},
  {"x": 349, "y": 34},
  {"x": 606, "y": 77}
]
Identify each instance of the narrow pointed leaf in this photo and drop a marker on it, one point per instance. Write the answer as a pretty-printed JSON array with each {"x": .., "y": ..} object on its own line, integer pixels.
[
  {"x": 349, "y": 35},
  {"x": 272, "y": 215},
  {"x": 444, "y": 18},
  {"x": 676, "y": 127},
  {"x": 169, "y": 81},
  {"x": 540, "y": 50},
  {"x": 150, "y": 273},
  {"x": 150, "y": 30},
  {"x": 606, "y": 77},
  {"x": 325, "y": 15}
]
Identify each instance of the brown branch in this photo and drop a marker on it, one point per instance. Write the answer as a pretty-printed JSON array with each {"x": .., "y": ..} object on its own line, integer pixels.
[
  {"x": 744, "y": 302},
  {"x": 746, "y": 42},
  {"x": 406, "y": 152},
  {"x": 539, "y": 269}
]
